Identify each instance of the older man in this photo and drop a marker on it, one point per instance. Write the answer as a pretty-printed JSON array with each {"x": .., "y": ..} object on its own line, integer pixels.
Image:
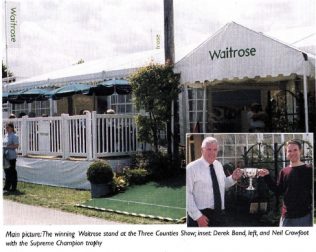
[{"x": 206, "y": 183}]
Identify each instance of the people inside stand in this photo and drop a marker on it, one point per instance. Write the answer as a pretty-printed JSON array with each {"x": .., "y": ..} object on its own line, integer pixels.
[
  {"x": 32, "y": 114},
  {"x": 110, "y": 111},
  {"x": 112, "y": 132},
  {"x": 22, "y": 114},
  {"x": 256, "y": 118},
  {"x": 84, "y": 112},
  {"x": 294, "y": 183},
  {"x": 81, "y": 134},
  {"x": 10, "y": 144}
]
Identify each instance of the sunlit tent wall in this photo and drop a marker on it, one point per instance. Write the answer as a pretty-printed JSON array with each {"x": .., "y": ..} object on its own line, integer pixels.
[
  {"x": 237, "y": 67},
  {"x": 109, "y": 71}
]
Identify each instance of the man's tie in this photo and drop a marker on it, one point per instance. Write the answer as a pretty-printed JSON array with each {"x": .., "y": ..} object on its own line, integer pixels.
[{"x": 217, "y": 194}]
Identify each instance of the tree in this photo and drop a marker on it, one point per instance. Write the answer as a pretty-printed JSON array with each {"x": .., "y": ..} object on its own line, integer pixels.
[
  {"x": 5, "y": 71},
  {"x": 154, "y": 87},
  {"x": 81, "y": 61}
]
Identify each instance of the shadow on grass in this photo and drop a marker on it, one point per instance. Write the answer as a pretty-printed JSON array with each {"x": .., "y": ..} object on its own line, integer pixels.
[
  {"x": 175, "y": 181},
  {"x": 15, "y": 193}
]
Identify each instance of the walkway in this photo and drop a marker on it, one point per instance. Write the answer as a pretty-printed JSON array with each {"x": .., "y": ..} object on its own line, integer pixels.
[{"x": 20, "y": 214}]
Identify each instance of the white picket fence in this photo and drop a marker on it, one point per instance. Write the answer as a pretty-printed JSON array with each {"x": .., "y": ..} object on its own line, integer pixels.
[{"x": 91, "y": 135}]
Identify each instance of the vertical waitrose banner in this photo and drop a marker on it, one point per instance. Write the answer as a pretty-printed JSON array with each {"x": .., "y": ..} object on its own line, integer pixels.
[{"x": 13, "y": 22}]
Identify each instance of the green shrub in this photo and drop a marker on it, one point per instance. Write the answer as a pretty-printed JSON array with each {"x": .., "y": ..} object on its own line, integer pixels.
[
  {"x": 100, "y": 172},
  {"x": 137, "y": 176},
  {"x": 157, "y": 164}
]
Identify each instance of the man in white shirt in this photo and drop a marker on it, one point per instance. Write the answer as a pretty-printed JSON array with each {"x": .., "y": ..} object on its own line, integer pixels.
[{"x": 206, "y": 183}]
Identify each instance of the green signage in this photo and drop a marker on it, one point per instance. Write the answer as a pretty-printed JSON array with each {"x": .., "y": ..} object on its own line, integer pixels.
[{"x": 232, "y": 53}]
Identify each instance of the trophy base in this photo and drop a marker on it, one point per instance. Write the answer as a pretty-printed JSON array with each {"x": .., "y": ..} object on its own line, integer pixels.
[{"x": 250, "y": 188}]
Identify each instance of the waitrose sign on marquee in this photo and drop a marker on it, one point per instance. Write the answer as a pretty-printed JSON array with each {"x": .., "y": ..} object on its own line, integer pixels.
[{"x": 232, "y": 53}]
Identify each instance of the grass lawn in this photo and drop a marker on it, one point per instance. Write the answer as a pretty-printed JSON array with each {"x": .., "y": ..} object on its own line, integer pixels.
[
  {"x": 152, "y": 200},
  {"x": 66, "y": 199}
]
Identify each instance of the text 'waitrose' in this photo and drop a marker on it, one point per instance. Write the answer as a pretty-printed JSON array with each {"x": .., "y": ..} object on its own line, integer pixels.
[
  {"x": 13, "y": 24},
  {"x": 232, "y": 53}
]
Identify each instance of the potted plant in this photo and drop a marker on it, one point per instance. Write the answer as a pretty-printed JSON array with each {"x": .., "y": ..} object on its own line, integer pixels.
[{"x": 100, "y": 175}]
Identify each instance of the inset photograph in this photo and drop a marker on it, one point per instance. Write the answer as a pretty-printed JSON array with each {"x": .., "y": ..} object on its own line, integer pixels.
[{"x": 249, "y": 179}]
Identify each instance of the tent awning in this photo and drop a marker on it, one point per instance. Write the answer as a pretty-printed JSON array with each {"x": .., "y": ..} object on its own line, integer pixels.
[
  {"x": 69, "y": 90},
  {"x": 105, "y": 88},
  {"x": 121, "y": 87},
  {"x": 5, "y": 97},
  {"x": 15, "y": 98},
  {"x": 236, "y": 53},
  {"x": 35, "y": 94}
]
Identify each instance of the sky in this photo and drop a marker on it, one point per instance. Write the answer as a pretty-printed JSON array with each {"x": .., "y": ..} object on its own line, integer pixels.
[{"x": 57, "y": 33}]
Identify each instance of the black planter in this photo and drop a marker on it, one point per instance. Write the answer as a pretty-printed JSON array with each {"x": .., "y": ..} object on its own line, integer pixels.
[{"x": 100, "y": 190}]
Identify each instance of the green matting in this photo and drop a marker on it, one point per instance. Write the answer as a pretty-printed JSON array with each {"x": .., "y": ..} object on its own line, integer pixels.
[{"x": 150, "y": 200}]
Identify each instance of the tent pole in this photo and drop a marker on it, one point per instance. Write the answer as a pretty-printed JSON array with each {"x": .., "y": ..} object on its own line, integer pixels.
[
  {"x": 70, "y": 105},
  {"x": 187, "y": 108},
  {"x": 204, "y": 108},
  {"x": 305, "y": 102},
  {"x": 6, "y": 41},
  {"x": 172, "y": 127},
  {"x": 94, "y": 102},
  {"x": 51, "y": 107}
]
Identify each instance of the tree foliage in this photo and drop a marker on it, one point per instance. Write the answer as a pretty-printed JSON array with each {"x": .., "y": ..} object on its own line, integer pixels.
[
  {"x": 5, "y": 71},
  {"x": 81, "y": 61},
  {"x": 154, "y": 88}
]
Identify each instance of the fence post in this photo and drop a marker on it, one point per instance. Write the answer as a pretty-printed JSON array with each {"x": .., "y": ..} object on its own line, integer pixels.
[
  {"x": 89, "y": 136},
  {"x": 93, "y": 134},
  {"x": 65, "y": 138},
  {"x": 24, "y": 136}
]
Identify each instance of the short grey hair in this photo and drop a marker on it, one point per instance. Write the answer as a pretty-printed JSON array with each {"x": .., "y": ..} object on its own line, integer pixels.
[{"x": 209, "y": 140}]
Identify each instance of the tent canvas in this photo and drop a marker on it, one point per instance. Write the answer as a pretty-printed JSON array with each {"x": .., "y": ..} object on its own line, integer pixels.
[
  {"x": 97, "y": 71},
  {"x": 236, "y": 52}
]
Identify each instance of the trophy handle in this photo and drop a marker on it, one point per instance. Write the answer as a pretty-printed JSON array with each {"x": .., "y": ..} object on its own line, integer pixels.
[{"x": 243, "y": 173}]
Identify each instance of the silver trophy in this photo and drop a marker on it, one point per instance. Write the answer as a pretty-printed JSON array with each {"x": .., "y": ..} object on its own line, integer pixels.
[{"x": 250, "y": 173}]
